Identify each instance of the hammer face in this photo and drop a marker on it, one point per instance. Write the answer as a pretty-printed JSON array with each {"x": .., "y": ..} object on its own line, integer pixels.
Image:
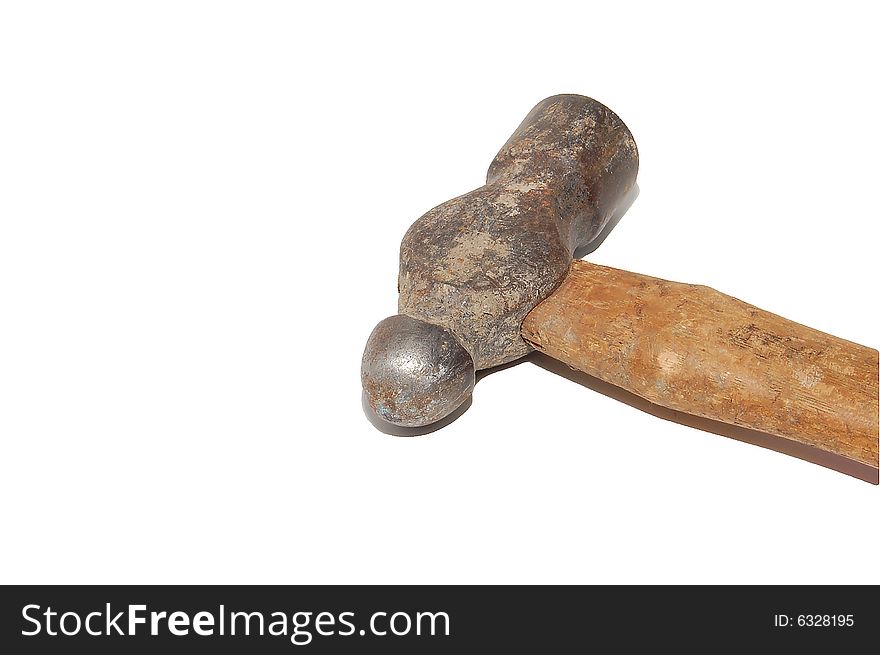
[{"x": 414, "y": 373}]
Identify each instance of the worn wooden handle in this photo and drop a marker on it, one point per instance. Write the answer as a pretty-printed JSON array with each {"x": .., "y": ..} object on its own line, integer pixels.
[{"x": 693, "y": 349}]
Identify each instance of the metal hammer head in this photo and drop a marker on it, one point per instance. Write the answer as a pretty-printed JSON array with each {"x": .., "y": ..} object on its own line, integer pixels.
[{"x": 473, "y": 267}]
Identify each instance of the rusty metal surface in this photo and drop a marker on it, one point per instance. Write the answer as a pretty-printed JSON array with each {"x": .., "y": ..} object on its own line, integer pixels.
[{"x": 477, "y": 264}]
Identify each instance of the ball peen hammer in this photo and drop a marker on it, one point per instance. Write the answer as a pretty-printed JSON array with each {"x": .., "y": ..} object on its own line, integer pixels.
[{"x": 489, "y": 276}]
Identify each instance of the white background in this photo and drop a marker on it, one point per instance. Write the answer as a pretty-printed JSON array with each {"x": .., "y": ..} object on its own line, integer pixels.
[{"x": 200, "y": 210}]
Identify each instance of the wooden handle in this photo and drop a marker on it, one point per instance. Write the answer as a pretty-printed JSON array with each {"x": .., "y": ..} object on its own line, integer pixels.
[{"x": 693, "y": 349}]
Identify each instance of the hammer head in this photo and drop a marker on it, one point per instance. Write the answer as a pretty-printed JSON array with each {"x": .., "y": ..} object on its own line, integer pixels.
[{"x": 473, "y": 267}]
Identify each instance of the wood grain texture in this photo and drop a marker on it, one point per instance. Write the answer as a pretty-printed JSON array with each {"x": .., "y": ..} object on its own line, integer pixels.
[{"x": 693, "y": 349}]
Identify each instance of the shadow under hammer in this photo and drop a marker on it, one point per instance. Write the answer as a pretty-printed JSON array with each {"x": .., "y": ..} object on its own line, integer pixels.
[
  {"x": 772, "y": 442},
  {"x": 745, "y": 435}
]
